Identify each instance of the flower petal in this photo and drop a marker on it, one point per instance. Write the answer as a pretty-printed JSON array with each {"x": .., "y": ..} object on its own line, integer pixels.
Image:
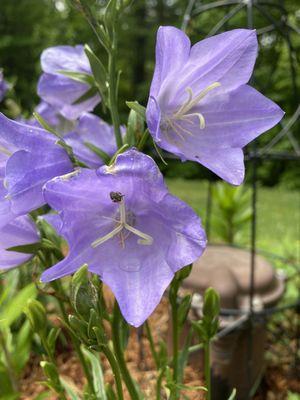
[
  {"x": 66, "y": 58},
  {"x": 227, "y": 58},
  {"x": 24, "y": 136},
  {"x": 172, "y": 51},
  {"x": 27, "y": 172},
  {"x": 20, "y": 231}
]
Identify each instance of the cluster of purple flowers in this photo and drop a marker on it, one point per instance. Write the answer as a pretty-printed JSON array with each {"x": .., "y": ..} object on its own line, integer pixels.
[{"x": 120, "y": 219}]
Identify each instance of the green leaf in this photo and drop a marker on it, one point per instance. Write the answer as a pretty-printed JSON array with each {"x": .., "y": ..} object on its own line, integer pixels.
[
  {"x": 119, "y": 151},
  {"x": 44, "y": 124},
  {"x": 69, "y": 390},
  {"x": 100, "y": 153},
  {"x": 98, "y": 380},
  {"x": 98, "y": 69},
  {"x": 78, "y": 76},
  {"x": 87, "y": 95},
  {"x": 134, "y": 105},
  {"x": 14, "y": 308},
  {"x": 31, "y": 248}
]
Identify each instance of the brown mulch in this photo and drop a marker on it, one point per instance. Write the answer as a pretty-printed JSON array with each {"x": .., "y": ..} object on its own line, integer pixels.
[{"x": 275, "y": 386}]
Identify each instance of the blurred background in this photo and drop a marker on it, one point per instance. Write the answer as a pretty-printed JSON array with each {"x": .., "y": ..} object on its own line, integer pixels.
[{"x": 232, "y": 216}]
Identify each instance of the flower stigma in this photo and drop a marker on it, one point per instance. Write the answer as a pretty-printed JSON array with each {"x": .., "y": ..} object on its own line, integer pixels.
[
  {"x": 183, "y": 113},
  {"x": 124, "y": 223}
]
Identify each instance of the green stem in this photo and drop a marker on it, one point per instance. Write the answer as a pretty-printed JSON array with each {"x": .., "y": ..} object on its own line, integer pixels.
[
  {"x": 115, "y": 369},
  {"x": 159, "y": 383},
  {"x": 112, "y": 88},
  {"x": 120, "y": 354},
  {"x": 152, "y": 346},
  {"x": 207, "y": 369},
  {"x": 175, "y": 329},
  {"x": 57, "y": 286}
]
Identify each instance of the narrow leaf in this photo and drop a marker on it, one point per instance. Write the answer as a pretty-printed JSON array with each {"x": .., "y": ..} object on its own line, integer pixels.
[
  {"x": 100, "y": 153},
  {"x": 79, "y": 77},
  {"x": 98, "y": 379},
  {"x": 14, "y": 308},
  {"x": 134, "y": 105},
  {"x": 87, "y": 95}
]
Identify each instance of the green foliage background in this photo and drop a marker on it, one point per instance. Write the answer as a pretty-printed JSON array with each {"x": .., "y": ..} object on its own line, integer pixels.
[{"x": 29, "y": 26}]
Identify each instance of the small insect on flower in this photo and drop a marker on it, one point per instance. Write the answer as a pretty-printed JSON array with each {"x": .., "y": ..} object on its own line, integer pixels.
[
  {"x": 116, "y": 197},
  {"x": 135, "y": 237},
  {"x": 200, "y": 106}
]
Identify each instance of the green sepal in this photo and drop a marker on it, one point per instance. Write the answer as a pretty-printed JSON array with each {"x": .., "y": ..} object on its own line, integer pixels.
[
  {"x": 184, "y": 309},
  {"x": 31, "y": 248},
  {"x": 119, "y": 151},
  {"x": 79, "y": 327},
  {"x": 100, "y": 153},
  {"x": 135, "y": 128},
  {"x": 138, "y": 108},
  {"x": 87, "y": 95},
  {"x": 78, "y": 77},
  {"x": 44, "y": 124},
  {"x": 211, "y": 306},
  {"x": 183, "y": 273},
  {"x": 82, "y": 293}
]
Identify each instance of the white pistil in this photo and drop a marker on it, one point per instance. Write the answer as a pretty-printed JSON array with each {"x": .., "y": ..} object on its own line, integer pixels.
[
  {"x": 183, "y": 113},
  {"x": 122, "y": 224}
]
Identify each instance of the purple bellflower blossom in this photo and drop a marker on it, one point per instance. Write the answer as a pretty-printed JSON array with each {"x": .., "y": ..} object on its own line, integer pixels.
[
  {"x": 122, "y": 222},
  {"x": 61, "y": 91},
  {"x": 92, "y": 129},
  {"x": 29, "y": 157},
  {"x": 200, "y": 106},
  {"x": 20, "y": 231}
]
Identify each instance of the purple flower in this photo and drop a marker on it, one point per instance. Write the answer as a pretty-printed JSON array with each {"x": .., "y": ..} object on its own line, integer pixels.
[
  {"x": 123, "y": 223},
  {"x": 20, "y": 231},
  {"x": 92, "y": 129},
  {"x": 200, "y": 107},
  {"x": 3, "y": 86},
  {"x": 60, "y": 91},
  {"x": 30, "y": 157}
]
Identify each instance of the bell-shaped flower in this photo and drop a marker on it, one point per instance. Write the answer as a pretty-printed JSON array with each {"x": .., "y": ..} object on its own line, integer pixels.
[
  {"x": 21, "y": 231},
  {"x": 61, "y": 91},
  {"x": 92, "y": 130},
  {"x": 29, "y": 157},
  {"x": 123, "y": 223},
  {"x": 200, "y": 106}
]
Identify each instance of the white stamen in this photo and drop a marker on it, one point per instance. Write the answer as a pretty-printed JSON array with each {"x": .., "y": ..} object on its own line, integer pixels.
[
  {"x": 123, "y": 224},
  {"x": 183, "y": 113}
]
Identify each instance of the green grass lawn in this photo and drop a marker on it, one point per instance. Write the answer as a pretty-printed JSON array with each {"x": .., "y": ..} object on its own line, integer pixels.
[{"x": 278, "y": 214}]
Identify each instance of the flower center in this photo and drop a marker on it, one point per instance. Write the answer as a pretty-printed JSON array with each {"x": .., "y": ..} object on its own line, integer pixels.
[
  {"x": 183, "y": 114},
  {"x": 124, "y": 225}
]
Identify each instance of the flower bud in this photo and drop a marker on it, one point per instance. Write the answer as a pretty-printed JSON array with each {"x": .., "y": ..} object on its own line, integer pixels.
[{"x": 211, "y": 307}]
